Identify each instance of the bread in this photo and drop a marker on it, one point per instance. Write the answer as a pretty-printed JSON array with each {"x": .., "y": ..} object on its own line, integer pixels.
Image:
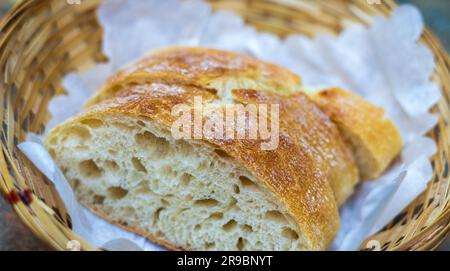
[
  {"x": 205, "y": 68},
  {"x": 220, "y": 72},
  {"x": 375, "y": 140},
  {"x": 210, "y": 193}
]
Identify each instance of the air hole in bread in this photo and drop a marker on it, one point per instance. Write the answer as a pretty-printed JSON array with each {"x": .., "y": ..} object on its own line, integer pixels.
[
  {"x": 207, "y": 203},
  {"x": 92, "y": 123},
  {"x": 149, "y": 140},
  {"x": 216, "y": 216},
  {"x": 76, "y": 184},
  {"x": 117, "y": 192},
  {"x": 142, "y": 188},
  {"x": 98, "y": 199},
  {"x": 137, "y": 164},
  {"x": 202, "y": 166},
  {"x": 212, "y": 90},
  {"x": 140, "y": 123},
  {"x": 275, "y": 216},
  {"x": 210, "y": 245},
  {"x": 185, "y": 179},
  {"x": 289, "y": 234},
  {"x": 168, "y": 172},
  {"x": 144, "y": 139},
  {"x": 246, "y": 228},
  {"x": 156, "y": 215},
  {"x": 81, "y": 132},
  {"x": 230, "y": 225},
  {"x": 221, "y": 153},
  {"x": 169, "y": 196},
  {"x": 165, "y": 202},
  {"x": 90, "y": 169},
  {"x": 124, "y": 126},
  {"x": 233, "y": 203},
  {"x": 236, "y": 189},
  {"x": 111, "y": 165},
  {"x": 241, "y": 243},
  {"x": 197, "y": 227},
  {"x": 247, "y": 183}
]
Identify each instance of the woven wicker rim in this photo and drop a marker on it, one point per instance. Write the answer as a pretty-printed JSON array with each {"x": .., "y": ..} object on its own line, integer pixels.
[{"x": 42, "y": 40}]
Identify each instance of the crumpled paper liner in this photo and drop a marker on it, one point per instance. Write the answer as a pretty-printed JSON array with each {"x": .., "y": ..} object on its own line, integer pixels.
[{"x": 383, "y": 63}]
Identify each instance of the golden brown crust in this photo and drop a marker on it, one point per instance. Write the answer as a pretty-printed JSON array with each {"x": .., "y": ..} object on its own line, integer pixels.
[
  {"x": 198, "y": 67},
  {"x": 366, "y": 127},
  {"x": 312, "y": 131}
]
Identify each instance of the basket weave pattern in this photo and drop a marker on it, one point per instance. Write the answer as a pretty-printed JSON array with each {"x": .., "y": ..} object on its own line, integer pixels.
[{"x": 40, "y": 41}]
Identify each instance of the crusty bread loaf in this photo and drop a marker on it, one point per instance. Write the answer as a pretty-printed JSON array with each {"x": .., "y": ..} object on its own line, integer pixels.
[
  {"x": 375, "y": 140},
  {"x": 209, "y": 193},
  {"x": 221, "y": 72},
  {"x": 124, "y": 164}
]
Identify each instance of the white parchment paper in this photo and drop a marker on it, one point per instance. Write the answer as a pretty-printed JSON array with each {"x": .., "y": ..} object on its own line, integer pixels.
[{"x": 382, "y": 62}]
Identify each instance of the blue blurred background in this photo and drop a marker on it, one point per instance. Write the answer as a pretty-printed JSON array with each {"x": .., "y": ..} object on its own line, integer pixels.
[{"x": 437, "y": 17}]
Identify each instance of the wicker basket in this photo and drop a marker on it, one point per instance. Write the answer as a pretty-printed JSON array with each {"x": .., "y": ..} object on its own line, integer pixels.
[{"x": 40, "y": 41}]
